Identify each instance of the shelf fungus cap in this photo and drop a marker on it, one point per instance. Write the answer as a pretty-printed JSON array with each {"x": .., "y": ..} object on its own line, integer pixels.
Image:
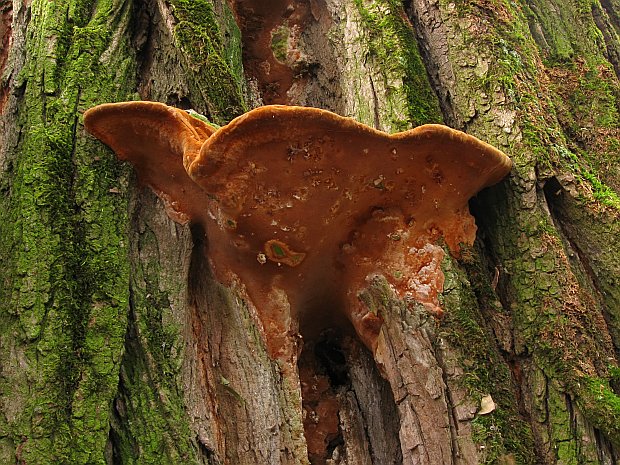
[
  {"x": 309, "y": 201},
  {"x": 156, "y": 139}
]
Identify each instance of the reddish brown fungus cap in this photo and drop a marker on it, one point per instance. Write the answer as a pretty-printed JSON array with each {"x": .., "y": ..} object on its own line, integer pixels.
[
  {"x": 307, "y": 177},
  {"x": 155, "y": 138},
  {"x": 306, "y": 201}
]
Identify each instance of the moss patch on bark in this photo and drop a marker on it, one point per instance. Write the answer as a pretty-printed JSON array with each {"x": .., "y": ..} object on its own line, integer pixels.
[
  {"x": 211, "y": 43},
  {"x": 63, "y": 218},
  {"x": 65, "y": 258}
]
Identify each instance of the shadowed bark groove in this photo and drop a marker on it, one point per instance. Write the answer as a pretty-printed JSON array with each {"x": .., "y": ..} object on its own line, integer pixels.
[{"x": 563, "y": 208}]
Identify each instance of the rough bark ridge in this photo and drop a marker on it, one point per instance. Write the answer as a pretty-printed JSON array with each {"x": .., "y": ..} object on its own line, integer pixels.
[
  {"x": 117, "y": 344},
  {"x": 537, "y": 79}
]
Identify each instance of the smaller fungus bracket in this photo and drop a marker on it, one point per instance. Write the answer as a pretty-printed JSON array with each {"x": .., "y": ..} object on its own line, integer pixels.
[
  {"x": 156, "y": 139},
  {"x": 310, "y": 203}
]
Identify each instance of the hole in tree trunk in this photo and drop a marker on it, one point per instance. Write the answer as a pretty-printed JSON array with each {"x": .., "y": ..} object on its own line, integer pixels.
[
  {"x": 322, "y": 369},
  {"x": 349, "y": 411}
]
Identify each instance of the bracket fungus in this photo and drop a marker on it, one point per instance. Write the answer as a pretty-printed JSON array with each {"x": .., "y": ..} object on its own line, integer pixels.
[{"x": 301, "y": 205}]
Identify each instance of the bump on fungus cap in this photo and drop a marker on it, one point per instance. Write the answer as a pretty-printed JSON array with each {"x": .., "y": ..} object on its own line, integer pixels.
[{"x": 309, "y": 202}]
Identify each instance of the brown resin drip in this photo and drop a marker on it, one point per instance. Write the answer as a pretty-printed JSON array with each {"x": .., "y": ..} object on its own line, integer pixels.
[
  {"x": 302, "y": 206},
  {"x": 268, "y": 25}
]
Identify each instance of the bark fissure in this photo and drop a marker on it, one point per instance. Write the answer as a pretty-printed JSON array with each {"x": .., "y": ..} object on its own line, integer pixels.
[
  {"x": 555, "y": 196},
  {"x": 454, "y": 425},
  {"x": 375, "y": 100},
  {"x": 608, "y": 22},
  {"x": 434, "y": 47},
  {"x": 6, "y": 39}
]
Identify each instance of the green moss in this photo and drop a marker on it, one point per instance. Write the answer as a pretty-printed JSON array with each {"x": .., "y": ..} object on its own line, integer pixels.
[
  {"x": 67, "y": 251},
  {"x": 394, "y": 49},
  {"x": 572, "y": 105},
  {"x": 214, "y": 60},
  {"x": 602, "y": 193},
  {"x": 487, "y": 432},
  {"x": 552, "y": 311},
  {"x": 279, "y": 43},
  {"x": 566, "y": 426},
  {"x": 581, "y": 167},
  {"x": 149, "y": 424},
  {"x": 580, "y": 103},
  {"x": 65, "y": 280},
  {"x": 596, "y": 397},
  {"x": 503, "y": 432},
  {"x": 554, "y": 39}
]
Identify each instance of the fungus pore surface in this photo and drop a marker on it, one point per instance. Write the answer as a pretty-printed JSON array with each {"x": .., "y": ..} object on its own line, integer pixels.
[{"x": 301, "y": 205}]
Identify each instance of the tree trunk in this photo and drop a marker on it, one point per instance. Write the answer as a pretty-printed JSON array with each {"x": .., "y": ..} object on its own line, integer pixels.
[{"x": 119, "y": 346}]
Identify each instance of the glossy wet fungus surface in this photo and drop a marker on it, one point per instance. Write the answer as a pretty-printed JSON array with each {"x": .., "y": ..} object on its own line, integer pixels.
[{"x": 301, "y": 205}]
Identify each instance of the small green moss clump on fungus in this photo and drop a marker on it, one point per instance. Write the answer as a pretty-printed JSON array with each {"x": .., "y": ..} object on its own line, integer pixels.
[{"x": 279, "y": 43}]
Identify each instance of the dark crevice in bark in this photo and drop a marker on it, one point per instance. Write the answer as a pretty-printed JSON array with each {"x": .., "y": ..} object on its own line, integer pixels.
[
  {"x": 572, "y": 416},
  {"x": 342, "y": 389},
  {"x": 6, "y": 33},
  {"x": 322, "y": 370},
  {"x": 606, "y": 452},
  {"x": 451, "y": 406},
  {"x": 490, "y": 280},
  {"x": 332, "y": 359},
  {"x": 491, "y": 286},
  {"x": 556, "y": 198},
  {"x": 113, "y": 446},
  {"x": 142, "y": 40},
  {"x": 432, "y": 44},
  {"x": 334, "y": 366},
  {"x": 146, "y": 20},
  {"x": 607, "y": 21},
  {"x": 375, "y": 101},
  {"x": 376, "y": 405},
  {"x": 120, "y": 443},
  {"x": 207, "y": 455}
]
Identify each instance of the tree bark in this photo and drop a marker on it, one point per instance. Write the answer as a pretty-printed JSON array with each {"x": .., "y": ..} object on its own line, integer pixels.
[{"x": 119, "y": 346}]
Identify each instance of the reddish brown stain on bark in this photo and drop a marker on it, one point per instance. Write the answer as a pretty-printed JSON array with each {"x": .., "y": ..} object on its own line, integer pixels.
[
  {"x": 259, "y": 21},
  {"x": 6, "y": 38},
  {"x": 320, "y": 410}
]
